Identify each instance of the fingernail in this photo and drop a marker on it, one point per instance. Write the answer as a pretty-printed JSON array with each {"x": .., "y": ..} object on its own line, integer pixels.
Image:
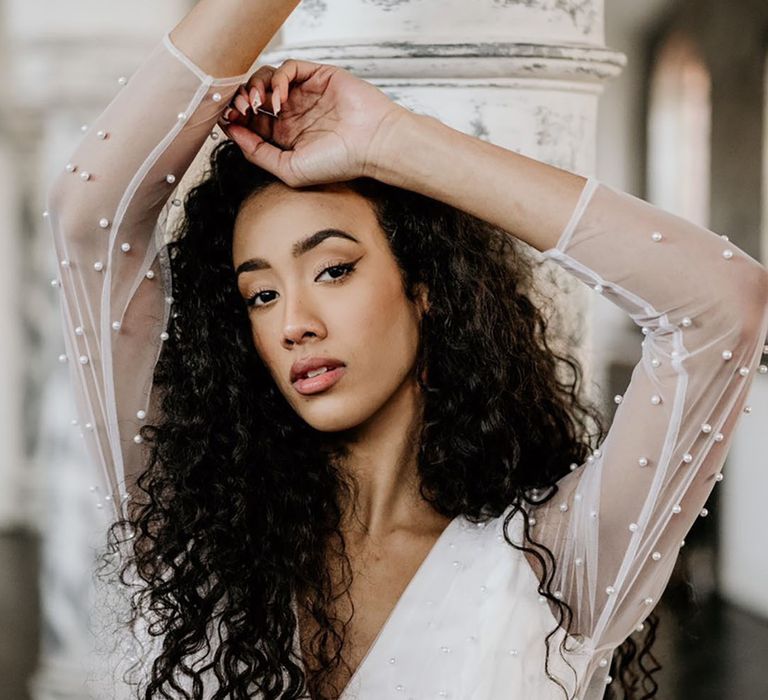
[
  {"x": 242, "y": 105},
  {"x": 276, "y": 103},
  {"x": 255, "y": 99},
  {"x": 227, "y": 113}
]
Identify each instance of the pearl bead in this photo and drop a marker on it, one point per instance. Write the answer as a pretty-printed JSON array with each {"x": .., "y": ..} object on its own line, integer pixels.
[
  {"x": 79, "y": 330},
  {"x": 744, "y": 371},
  {"x": 141, "y": 415},
  {"x": 65, "y": 263},
  {"x": 603, "y": 663},
  {"x": 676, "y": 509},
  {"x": 104, "y": 223},
  {"x": 531, "y": 521},
  {"x": 542, "y": 600},
  {"x": 46, "y": 214},
  {"x": 608, "y": 679},
  {"x": 645, "y": 330},
  {"x": 727, "y": 354},
  {"x": 70, "y": 167},
  {"x": 181, "y": 116},
  {"x": 718, "y": 437},
  {"x": 719, "y": 476},
  {"x": 686, "y": 322},
  {"x": 593, "y": 514},
  {"x": 456, "y": 564},
  {"x": 610, "y": 590},
  {"x": 656, "y": 236},
  {"x": 763, "y": 369},
  {"x": 138, "y": 439},
  {"x": 563, "y": 507},
  {"x": 648, "y": 601},
  {"x": 62, "y": 358},
  {"x": 747, "y": 409},
  {"x": 176, "y": 202},
  {"x": 724, "y": 237},
  {"x": 392, "y": 660},
  {"x": 643, "y": 461},
  {"x": 573, "y": 466},
  {"x": 558, "y": 594},
  {"x": 216, "y": 97},
  {"x": 706, "y": 428},
  {"x": 656, "y": 556},
  {"x": 655, "y": 362},
  {"x": 617, "y": 399},
  {"x": 89, "y": 426},
  {"x": 99, "y": 506},
  {"x": 727, "y": 254},
  {"x": 682, "y": 544},
  {"x": 101, "y": 134},
  {"x": 115, "y": 325},
  {"x": 125, "y": 247},
  {"x": 54, "y": 282},
  {"x": 149, "y": 274},
  {"x": 655, "y": 399},
  {"x": 513, "y": 652},
  {"x": 164, "y": 336},
  {"x": 633, "y": 527},
  {"x": 170, "y": 179},
  {"x": 98, "y": 266},
  {"x": 577, "y": 497},
  {"x": 578, "y": 561},
  {"x": 398, "y": 687},
  {"x": 84, "y": 128},
  {"x": 687, "y": 458},
  {"x": 92, "y": 489},
  {"x": 214, "y": 136},
  {"x": 598, "y": 288},
  {"x": 704, "y": 513},
  {"x": 640, "y": 627},
  {"x": 83, "y": 359},
  {"x": 122, "y": 80},
  {"x": 85, "y": 176}
]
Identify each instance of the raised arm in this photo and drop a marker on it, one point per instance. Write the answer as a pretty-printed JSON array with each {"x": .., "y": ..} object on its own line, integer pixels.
[
  {"x": 617, "y": 523},
  {"x": 107, "y": 209}
]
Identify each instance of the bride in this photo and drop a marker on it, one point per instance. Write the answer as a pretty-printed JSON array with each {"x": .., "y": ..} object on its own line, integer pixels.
[{"x": 343, "y": 457}]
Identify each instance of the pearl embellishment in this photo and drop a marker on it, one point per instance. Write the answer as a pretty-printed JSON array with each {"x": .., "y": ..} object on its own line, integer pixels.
[
  {"x": 687, "y": 458},
  {"x": 125, "y": 247},
  {"x": 727, "y": 354},
  {"x": 656, "y": 556},
  {"x": 98, "y": 266},
  {"x": 141, "y": 415},
  {"x": 104, "y": 223},
  {"x": 686, "y": 322},
  {"x": 656, "y": 236},
  {"x": 85, "y": 176},
  {"x": 170, "y": 179},
  {"x": 727, "y": 254},
  {"x": 655, "y": 399},
  {"x": 115, "y": 325}
]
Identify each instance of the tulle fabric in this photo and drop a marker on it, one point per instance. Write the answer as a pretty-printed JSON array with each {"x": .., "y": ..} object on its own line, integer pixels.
[{"x": 618, "y": 520}]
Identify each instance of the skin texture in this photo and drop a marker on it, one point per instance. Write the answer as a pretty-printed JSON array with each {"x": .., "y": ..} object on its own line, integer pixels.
[{"x": 360, "y": 316}]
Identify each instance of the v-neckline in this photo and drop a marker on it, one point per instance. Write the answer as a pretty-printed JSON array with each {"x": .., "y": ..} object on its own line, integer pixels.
[{"x": 407, "y": 591}]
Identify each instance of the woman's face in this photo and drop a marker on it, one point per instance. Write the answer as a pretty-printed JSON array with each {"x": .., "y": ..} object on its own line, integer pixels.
[{"x": 320, "y": 280}]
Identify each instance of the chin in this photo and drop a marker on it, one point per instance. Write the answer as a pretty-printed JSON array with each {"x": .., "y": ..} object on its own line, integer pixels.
[{"x": 333, "y": 415}]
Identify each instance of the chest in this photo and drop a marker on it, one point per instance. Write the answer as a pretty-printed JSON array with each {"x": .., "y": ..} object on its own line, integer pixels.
[{"x": 380, "y": 574}]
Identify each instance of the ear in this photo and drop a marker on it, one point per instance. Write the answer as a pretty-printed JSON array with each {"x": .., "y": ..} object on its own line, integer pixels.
[{"x": 422, "y": 297}]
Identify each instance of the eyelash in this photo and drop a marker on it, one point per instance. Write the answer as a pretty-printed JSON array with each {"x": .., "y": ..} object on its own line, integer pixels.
[{"x": 348, "y": 268}]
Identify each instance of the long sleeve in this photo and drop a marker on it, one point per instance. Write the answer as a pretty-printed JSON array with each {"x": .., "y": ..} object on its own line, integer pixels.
[
  {"x": 107, "y": 211},
  {"x": 617, "y": 522}
]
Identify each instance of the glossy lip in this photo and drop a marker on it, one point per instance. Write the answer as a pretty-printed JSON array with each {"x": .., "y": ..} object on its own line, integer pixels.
[
  {"x": 301, "y": 367},
  {"x": 321, "y": 383}
]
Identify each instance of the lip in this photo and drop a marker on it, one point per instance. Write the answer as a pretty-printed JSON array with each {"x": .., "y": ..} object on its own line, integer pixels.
[
  {"x": 309, "y": 363},
  {"x": 314, "y": 385}
]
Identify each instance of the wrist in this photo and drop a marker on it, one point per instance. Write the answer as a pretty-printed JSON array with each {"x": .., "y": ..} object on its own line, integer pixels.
[{"x": 392, "y": 147}]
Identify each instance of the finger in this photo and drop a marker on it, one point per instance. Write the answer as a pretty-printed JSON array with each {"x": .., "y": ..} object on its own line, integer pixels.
[
  {"x": 290, "y": 71},
  {"x": 241, "y": 101},
  {"x": 260, "y": 152},
  {"x": 259, "y": 81}
]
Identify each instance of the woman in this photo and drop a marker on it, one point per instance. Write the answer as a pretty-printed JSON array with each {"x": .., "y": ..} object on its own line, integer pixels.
[{"x": 348, "y": 460}]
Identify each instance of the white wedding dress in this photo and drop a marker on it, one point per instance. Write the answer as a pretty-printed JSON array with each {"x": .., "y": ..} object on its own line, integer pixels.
[{"x": 470, "y": 624}]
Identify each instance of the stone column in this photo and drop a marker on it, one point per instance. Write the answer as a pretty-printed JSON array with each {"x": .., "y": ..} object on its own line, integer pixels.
[{"x": 524, "y": 74}]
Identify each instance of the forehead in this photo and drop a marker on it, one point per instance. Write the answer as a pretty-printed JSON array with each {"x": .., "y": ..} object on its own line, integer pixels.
[{"x": 279, "y": 215}]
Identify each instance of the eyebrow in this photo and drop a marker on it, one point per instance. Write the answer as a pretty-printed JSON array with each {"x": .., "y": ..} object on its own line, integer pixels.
[{"x": 298, "y": 249}]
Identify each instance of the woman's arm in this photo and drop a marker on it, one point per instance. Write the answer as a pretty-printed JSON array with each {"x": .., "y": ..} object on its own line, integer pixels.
[
  {"x": 617, "y": 523},
  {"x": 107, "y": 208}
]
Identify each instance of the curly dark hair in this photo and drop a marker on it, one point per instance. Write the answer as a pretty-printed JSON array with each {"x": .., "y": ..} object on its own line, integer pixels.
[{"x": 244, "y": 498}]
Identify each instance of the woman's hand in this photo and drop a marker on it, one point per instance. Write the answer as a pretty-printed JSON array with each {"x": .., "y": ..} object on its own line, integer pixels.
[{"x": 330, "y": 126}]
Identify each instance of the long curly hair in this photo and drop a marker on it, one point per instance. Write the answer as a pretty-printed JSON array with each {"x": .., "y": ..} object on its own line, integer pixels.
[{"x": 244, "y": 499}]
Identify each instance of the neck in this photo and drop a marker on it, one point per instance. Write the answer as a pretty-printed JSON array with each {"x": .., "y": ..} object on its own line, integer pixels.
[{"x": 382, "y": 463}]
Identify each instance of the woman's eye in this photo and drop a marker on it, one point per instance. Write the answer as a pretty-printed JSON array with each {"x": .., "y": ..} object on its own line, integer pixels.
[
  {"x": 251, "y": 301},
  {"x": 344, "y": 269}
]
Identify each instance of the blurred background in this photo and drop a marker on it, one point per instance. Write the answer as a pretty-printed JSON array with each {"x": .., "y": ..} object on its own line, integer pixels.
[{"x": 665, "y": 99}]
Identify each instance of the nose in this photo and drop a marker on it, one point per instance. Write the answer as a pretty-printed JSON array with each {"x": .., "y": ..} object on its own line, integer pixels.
[{"x": 300, "y": 323}]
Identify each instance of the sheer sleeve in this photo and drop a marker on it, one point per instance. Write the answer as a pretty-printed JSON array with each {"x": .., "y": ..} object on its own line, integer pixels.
[
  {"x": 617, "y": 522},
  {"x": 106, "y": 210}
]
